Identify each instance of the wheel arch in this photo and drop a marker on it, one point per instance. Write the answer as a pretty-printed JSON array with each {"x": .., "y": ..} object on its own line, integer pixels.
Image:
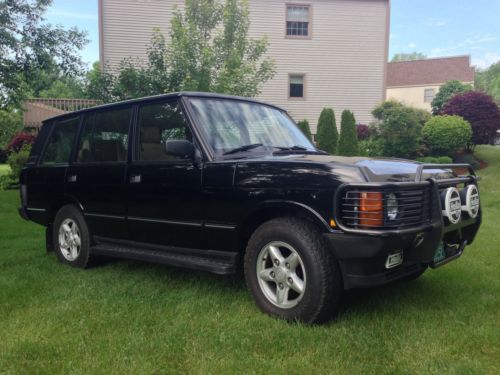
[{"x": 277, "y": 208}]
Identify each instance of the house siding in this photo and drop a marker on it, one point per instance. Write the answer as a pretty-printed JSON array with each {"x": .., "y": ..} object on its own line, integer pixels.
[{"x": 343, "y": 62}]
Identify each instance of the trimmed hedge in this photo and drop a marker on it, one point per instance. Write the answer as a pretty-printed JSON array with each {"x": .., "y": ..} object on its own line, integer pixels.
[
  {"x": 445, "y": 135},
  {"x": 435, "y": 159},
  {"x": 304, "y": 127},
  {"x": 327, "y": 135},
  {"x": 348, "y": 141}
]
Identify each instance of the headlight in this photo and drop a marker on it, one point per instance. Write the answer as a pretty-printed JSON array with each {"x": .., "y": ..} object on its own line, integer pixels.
[{"x": 392, "y": 206}]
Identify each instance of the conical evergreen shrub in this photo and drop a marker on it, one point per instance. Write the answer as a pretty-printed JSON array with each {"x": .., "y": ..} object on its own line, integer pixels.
[
  {"x": 348, "y": 141},
  {"x": 327, "y": 135},
  {"x": 304, "y": 126}
]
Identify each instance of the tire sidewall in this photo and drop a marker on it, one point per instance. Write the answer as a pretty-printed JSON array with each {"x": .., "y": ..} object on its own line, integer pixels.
[
  {"x": 272, "y": 231},
  {"x": 73, "y": 213}
]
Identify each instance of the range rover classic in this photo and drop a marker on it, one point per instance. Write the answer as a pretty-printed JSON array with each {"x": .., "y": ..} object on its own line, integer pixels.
[{"x": 220, "y": 183}]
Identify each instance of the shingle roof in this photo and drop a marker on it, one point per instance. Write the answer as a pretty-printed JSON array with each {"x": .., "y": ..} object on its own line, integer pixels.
[{"x": 430, "y": 71}]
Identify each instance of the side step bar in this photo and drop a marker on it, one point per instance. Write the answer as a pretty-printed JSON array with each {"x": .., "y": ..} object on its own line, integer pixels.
[{"x": 218, "y": 262}]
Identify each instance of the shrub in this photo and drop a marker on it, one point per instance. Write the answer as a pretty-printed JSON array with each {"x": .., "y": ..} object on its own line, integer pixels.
[
  {"x": 327, "y": 135},
  {"x": 446, "y": 92},
  {"x": 363, "y": 132},
  {"x": 435, "y": 159},
  {"x": 10, "y": 124},
  {"x": 372, "y": 147},
  {"x": 480, "y": 111},
  {"x": 348, "y": 140},
  {"x": 467, "y": 159},
  {"x": 19, "y": 141},
  {"x": 16, "y": 161},
  {"x": 380, "y": 112},
  {"x": 400, "y": 132},
  {"x": 304, "y": 126},
  {"x": 446, "y": 134}
]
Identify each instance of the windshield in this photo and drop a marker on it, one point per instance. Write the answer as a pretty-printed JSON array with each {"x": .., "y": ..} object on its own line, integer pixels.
[{"x": 237, "y": 127}]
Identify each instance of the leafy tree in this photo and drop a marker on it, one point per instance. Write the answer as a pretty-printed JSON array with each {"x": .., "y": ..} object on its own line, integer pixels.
[
  {"x": 480, "y": 111},
  {"x": 65, "y": 87},
  {"x": 304, "y": 127},
  {"x": 446, "y": 134},
  {"x": 488, "y": 81},
  {"x": 446, "y": 92},
  {"x": 400, "y": 132},
  {"x": 327, "y": 134},
  {"x": 408, "y": 56},
  {"x": 209, "y": 50},
  {"x": 348, "y": 141},
  {"x": 28, "y": 46}
]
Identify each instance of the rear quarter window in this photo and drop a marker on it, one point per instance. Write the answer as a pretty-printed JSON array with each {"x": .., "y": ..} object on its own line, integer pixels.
[{"x": 60, "y": 142}]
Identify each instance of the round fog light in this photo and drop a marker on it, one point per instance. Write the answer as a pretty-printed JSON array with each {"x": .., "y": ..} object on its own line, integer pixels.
[
  {"x": 470, "y": 196},
  {"x": 392, "y": 206},
  {"x": 452, "y": 205}
]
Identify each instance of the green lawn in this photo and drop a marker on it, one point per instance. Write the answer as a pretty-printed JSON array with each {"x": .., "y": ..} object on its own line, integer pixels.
[
  {"x": 132, "y": 317},
  {"x": 4, "y": 169}
]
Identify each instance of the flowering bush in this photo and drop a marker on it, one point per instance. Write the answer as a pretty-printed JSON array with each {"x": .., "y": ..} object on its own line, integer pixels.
[{"x": 19, "y": 140}]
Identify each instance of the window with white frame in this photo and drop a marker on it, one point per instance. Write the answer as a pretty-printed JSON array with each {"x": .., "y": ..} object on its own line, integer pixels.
[
  {"x": 297, "y": 20},
  {"x": 429, "y": 95},
  {"x": 296, "y": 86}
]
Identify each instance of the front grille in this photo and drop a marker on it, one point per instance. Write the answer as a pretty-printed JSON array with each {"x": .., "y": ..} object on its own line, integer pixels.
[{"x": 414, "y": 208}]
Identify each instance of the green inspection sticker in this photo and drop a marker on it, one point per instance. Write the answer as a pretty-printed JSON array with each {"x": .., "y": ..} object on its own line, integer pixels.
[{"x": 440, "y": 254}]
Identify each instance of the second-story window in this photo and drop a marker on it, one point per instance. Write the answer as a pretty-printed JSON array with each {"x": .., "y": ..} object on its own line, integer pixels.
[{"x": 297, "y": 20}]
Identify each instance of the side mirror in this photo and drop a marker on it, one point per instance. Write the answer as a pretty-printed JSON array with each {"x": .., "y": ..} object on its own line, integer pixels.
[{"x": 180, "y": 148}]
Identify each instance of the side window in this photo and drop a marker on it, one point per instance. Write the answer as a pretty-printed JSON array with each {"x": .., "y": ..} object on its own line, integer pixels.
[
  {"x": 159, "y": 123},
  {"x": 60, "y": 144},
  {"x": 105, "y": 137}
]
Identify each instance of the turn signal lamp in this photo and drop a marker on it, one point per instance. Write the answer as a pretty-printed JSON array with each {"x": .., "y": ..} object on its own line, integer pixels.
[{"x": 371, "y": 209}]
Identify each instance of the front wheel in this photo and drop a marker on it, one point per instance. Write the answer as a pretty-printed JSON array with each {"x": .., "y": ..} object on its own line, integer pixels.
[{"x": 291, "y": 273}]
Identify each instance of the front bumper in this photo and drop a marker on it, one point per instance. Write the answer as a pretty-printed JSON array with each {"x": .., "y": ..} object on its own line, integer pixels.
[
  {"x": 23, "y": 213},
  {"x": 363, "y": 257}
]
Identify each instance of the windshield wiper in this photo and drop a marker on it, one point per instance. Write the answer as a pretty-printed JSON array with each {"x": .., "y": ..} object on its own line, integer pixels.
[
  {"x": 291, "y": 148},
  {"x": 242, "y": 148},
  {"x": 296, "y": 150}
]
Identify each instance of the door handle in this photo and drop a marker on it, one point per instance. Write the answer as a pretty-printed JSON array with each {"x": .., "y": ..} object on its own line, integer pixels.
[
  {"x": 135, "y": 179},
  {"x": 72, "y": 178}
]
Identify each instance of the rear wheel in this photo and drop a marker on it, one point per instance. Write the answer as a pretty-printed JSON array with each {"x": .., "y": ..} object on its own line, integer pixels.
[
  {"x": 70, "y": 236},
  {"x": 291, "y": 273}
]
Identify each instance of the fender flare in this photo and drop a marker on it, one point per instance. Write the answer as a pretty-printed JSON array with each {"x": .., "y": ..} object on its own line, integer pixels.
[{"x": 278, "y": 203}]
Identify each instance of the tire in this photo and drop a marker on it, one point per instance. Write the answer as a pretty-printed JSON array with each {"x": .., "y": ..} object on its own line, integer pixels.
[
  {"x": 414, "y": 276},
  {"x": 315, "y": 266},
  {"x": 63, "y": 240}
]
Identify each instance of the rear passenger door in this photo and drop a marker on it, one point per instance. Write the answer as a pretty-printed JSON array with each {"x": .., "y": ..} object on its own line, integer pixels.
[
  {"x": 96, "y": 179},
  {"x": 164, "y": 190},
  {"x": 46, "y": 181}
]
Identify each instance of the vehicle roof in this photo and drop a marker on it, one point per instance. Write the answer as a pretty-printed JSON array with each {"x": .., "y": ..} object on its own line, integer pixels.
[{"x": 193, "y": 94}]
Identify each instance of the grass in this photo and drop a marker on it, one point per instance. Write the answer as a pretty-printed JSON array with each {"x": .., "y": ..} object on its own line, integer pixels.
[
  {"x": 132, "y": 317},
  {"x": 4, "y": 169}
]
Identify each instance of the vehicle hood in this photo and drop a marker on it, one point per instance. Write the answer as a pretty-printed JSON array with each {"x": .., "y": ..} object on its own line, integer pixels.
[{"x": 316, "y": 169}]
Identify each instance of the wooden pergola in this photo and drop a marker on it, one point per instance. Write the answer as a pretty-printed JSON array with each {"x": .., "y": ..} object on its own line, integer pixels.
[{"x": 36, "y": 110}]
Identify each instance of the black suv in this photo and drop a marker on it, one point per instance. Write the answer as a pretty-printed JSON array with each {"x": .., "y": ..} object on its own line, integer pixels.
[{"x": 215, "y": 182}]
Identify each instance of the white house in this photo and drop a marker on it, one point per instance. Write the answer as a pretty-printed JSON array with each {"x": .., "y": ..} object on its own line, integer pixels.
[{"x": 328, "y": 53}]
